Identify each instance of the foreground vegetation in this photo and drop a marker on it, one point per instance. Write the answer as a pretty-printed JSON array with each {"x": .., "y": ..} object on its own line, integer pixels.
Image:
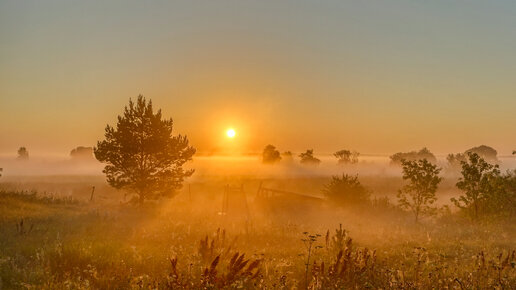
[{"x": 64, "y": 243}]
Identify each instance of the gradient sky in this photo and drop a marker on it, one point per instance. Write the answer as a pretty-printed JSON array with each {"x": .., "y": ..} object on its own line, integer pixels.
[{"x": 375, "y": 76}]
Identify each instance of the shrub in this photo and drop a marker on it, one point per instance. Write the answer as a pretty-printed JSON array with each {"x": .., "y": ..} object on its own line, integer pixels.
[{"x": 346, "y": 190}]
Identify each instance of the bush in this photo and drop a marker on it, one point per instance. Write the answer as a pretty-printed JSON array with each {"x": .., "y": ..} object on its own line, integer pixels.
[{"x": 346, "y": 190}]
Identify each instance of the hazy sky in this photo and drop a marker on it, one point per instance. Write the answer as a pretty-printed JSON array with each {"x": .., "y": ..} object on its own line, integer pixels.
[{"x": 375, "y": 76}]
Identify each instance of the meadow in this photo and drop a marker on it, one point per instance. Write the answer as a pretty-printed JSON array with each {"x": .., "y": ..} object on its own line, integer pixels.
[
  {"x": 257, "y": 144},
  {"x": 53, "y": 235}
]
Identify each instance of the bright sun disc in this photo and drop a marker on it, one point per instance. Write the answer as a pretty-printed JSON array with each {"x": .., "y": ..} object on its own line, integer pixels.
[{"x": 230, "y": 133}]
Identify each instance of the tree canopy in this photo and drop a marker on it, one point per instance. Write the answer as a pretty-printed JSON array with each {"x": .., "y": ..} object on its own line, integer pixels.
[
  {"x": 308, "y": 158},
  {"x": 270, "y": 154},
  {"x": 489, "y": 154},
  {"x": 82, "y": 153},
  {"x": 141, "y": 153},
  {"x": 346, "y": 156},
  {"x": 424, "y": 153},
  {"x": 419, "y": 194},
  {"x": 476, "y": 183}
]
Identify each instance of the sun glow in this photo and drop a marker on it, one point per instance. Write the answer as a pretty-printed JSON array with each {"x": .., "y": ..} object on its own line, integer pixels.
[{"x": 231, "y": 133}]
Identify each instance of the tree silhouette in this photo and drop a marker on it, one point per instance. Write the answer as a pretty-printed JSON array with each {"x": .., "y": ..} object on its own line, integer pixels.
[
  {"x": 308, "y": 158},
  {"x": 476, "y": 183},
  {"x": 424, "y": 153},
  {"x": 83, "y": 153},
  {"x": 142, "y": 155},
  {"x": 419, "y": 194},
  {"x": 270, "y": 155},
  {"x": 287, "y": 156},
  {"x": 346, "y": 156},
  {"x": 23, "y": 154},
  {"x": 487, "y": 153},
  {"x": 346, "y": 190}
]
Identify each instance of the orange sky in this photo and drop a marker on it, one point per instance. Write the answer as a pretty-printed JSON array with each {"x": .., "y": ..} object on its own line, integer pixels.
[{"x": 378, "y": 78}]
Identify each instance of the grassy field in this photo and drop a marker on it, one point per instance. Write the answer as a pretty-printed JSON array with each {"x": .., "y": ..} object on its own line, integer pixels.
[{"x": 49, "y": 241}]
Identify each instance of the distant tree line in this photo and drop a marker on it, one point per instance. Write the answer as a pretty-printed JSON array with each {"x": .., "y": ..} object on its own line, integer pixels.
[{"x": 271, "y": 155}]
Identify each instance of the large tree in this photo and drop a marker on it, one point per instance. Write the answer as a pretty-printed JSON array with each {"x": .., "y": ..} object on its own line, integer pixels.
[
  {"x": 141, "y": 153},
  {"x": 419, "y": 194}
]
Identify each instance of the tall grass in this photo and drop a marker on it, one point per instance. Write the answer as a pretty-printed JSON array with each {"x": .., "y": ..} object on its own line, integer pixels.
[{"x": 81, "y": 245}]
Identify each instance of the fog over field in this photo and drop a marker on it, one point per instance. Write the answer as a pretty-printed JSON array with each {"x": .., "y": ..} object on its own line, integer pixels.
[
  {"x": 62, "y": 176},
  {"x": 249, "y": 165}
]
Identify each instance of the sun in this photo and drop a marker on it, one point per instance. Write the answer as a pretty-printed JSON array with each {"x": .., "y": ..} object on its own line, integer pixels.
[{"x": 231, "y": 133}]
